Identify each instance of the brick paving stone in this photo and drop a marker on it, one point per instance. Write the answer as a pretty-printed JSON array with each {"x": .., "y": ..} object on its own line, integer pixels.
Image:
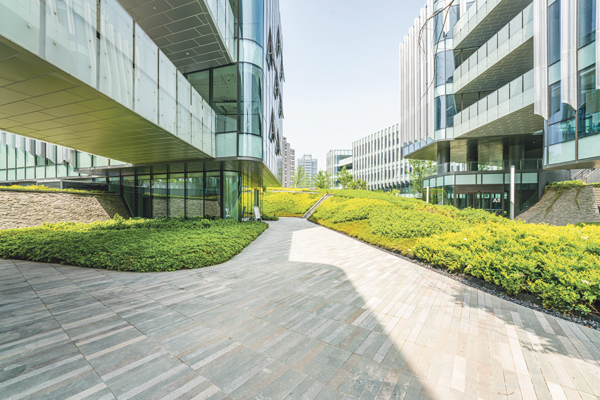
[{"x": 303, "y": 312}]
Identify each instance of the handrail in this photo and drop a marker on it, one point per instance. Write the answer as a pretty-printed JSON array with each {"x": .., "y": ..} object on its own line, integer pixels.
[{"x": 311, "y": 211}]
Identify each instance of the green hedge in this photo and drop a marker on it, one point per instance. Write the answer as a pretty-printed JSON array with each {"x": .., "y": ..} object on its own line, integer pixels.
[
  {"x": 48, "y": 189},
  {"x": 140, "y": 245},
  {"x": 561, "y": 265},
  {"x": 288, "y": 204}
]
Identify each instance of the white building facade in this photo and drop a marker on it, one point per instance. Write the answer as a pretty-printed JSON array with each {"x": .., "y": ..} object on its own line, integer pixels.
[{"x": 378, "y": 160}]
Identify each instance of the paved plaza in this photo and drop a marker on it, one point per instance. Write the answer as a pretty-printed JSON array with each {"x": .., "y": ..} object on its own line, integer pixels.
[{"x": 303, "y": 313}]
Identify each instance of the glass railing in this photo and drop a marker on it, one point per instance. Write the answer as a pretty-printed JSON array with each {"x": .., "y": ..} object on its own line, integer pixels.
[
  {"x": 222, "y": 15},
  {"x": 71, "y": 44},
  {"x": 504, "y": 101},
  {"x": 509, "y": 38},
  {"x": 474, "y": 166},
  {"x": 476, "y": 13}
]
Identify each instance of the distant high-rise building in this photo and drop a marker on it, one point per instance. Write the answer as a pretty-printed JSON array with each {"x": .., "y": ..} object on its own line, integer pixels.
[
  {"x": 310, "y": 167},
  {"x": 286, "y": 164}
]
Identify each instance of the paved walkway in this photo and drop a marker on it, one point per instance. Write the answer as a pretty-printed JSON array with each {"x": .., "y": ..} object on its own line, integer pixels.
[{"x": 304, "y": 312}]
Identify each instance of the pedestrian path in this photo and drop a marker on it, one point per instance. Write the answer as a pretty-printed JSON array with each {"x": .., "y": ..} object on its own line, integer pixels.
[{"x": 302, "y": 313}]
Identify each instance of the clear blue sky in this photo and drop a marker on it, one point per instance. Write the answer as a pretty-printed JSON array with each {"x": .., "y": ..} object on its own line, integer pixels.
[{"x": 341, "y": 69}]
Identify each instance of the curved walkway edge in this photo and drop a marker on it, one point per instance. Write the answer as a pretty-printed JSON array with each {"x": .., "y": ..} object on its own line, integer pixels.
[{"x": 303, "y": 312}]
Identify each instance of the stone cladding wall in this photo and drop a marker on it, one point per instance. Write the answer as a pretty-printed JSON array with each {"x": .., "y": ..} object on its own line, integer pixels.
[
  {"x": 20, "y": 208},
  {"x": 570, "y": 208}
]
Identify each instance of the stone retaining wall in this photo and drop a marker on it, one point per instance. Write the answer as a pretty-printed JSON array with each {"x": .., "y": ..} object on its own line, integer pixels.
[
  {"x": 20, "y": 208},
  {"x": 570, "y": 208}
]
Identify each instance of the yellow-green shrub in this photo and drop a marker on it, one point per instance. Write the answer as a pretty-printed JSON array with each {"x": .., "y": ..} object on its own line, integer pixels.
[
  {"x": 397, "y": 222},
  {"x": 288, "y": 204},
  {"x": 561, "y": 265},
  {"x": 140, "y": 245}
]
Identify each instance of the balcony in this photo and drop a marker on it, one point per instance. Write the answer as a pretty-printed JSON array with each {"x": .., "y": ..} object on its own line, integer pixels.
[
  {"x": 62, "y": 82},
  {"x": 507, "y": 111},
  {"x": 509, "y": 53},
  {"x": 195, "y": 34},
  {"x": 484, "y": 19}
]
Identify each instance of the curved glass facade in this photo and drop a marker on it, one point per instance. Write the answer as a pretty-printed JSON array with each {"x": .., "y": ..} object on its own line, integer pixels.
[{"x": 252, "y": 20}]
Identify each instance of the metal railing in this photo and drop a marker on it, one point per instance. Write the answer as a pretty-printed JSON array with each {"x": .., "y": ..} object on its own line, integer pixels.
[{"x": 525, "y": 164}]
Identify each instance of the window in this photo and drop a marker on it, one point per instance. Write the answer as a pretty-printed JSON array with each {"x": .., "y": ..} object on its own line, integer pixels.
[
  {"x": 450, "y": 111},
  {"x": 554, "y": 33},
  {"x": 586, "y": 22},
  {"x": 561, "y": 122},
  {"x": 252, "y": 20},
  {"x": 270, "y": 55},
  {"x": 438, "y": 21},
  {"x": 440, "y": 114},
  {"x": 588, "y": 114},
  {"x": 272, "y": 131},
  {"x": 278, "y": 43},
  {"x": 453, "y": 16}
]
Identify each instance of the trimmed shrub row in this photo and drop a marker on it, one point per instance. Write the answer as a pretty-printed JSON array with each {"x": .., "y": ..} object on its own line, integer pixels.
[{"x": 139, "y": 245}]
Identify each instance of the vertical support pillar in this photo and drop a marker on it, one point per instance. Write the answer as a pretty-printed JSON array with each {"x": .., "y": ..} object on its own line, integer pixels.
[
  {"x": 512, "y": 192},
  {"x": 427, "y": 193}
]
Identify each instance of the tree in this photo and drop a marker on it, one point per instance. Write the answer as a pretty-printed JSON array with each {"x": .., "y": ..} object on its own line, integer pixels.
[
  {"x": 322, "y": 180},
  {"x": 300, "y": 179},
  {"x": 358, "y": 184},
  {"x": 344, "y": 178},
  {"x": 419, "y": 170}
]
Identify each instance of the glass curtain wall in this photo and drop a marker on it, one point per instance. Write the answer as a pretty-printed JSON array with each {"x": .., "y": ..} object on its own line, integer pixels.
[
  {"x": 573, "y": 134},
  {"x": 444, "y": 107},
  {"x": 217, "y": 194}
]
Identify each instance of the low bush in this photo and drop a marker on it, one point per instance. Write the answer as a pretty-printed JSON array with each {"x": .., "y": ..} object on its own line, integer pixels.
[
  {"x": 140, "y": 245},
  {"x": 288, "y": 204},
  {"x": 561, "y": 265},
  {"x": 48, "y": 189},
  {"x": 394, "y": 222}
]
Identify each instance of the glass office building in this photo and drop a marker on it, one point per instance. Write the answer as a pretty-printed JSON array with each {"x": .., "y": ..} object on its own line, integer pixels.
[
  {"x": 378, "y": 161},
  {"x": 179, "y": 108},
  {"x": 501, "y": 83},
  {"x": 336, "y": 160}
]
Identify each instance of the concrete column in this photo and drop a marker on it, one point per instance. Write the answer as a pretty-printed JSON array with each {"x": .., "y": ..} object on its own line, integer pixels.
[
  {"x": 472, "y": 157},
  {"x": 516, "y": 153},
  {"x": 443, "y": 157}
]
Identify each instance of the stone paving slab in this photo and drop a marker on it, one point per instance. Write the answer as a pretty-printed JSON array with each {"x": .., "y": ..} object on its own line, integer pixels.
[{"x": 302, "y": 313}]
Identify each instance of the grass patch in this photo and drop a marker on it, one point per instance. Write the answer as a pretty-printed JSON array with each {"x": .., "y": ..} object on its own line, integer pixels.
[
  {"x": 288, "y": 204},
  {"x": 138, "y": 245},
  {"x": 560, "y": 265}
]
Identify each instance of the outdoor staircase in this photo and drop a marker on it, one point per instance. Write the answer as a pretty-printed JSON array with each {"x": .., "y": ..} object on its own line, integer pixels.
[
  {"x": 581, "y": 174},
  {"x": 312, "y": 210}
]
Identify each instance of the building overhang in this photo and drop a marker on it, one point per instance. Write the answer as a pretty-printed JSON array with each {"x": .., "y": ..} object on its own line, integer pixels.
[
  {"x": 187, "y": 33},
  {"x": 430, "y": 151},
  {"x": 516, "y": 63},
  {"x": 40, "y": 101},
  {"x": 487, "y": 25},
  {"x": 518, "y": 122},
  {"x": 580, "y": 164}
]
